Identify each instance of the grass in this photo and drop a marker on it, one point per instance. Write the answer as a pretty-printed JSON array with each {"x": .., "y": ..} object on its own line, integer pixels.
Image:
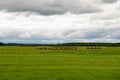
[{"x": 26, "y": 63}]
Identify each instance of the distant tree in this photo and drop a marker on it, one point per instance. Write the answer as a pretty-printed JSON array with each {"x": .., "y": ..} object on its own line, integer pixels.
[{"x": 1, "y": 44}]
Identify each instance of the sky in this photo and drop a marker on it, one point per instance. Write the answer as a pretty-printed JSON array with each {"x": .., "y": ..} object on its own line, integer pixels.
[{"x": 59, "y": 21}]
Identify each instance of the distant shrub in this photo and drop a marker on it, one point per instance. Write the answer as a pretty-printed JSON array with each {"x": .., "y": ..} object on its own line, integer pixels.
[{"x": 1, "y": 44}]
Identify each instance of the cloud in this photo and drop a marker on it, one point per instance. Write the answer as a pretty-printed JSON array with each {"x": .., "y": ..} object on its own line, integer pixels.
[
  {"x": 110, "y": 1},
  {"x": 51, "y": 7},
  {"x": 70, "y": 26},
  {"x": 58, "y": 28}
]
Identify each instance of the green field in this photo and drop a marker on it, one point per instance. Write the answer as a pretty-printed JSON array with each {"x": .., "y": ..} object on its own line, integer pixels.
[{"x": 27, "y": 63}]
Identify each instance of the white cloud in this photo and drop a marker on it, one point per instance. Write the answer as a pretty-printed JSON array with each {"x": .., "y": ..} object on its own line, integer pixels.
[
  {"x": 25, "y": 35},
  {"x": 34, "y": 28}
]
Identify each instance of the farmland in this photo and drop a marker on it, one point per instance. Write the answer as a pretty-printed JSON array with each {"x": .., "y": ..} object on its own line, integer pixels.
[{"x": 29, "y": 63}]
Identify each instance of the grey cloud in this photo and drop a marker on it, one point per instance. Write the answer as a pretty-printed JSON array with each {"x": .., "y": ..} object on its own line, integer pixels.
[
  {"x": 61, "y": 28},
  {"x": 99, "y": 35},
  {"x": 67, "y": 36},
  {"x": 110, "y": 1},
  {"x": 50, "y": 7}
]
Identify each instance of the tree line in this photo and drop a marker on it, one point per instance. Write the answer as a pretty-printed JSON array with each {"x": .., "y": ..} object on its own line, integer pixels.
[
  {"x": 93, "y": 44},
  {"x": 1, "y": 44},
  {"x": 64, "y": 44}
]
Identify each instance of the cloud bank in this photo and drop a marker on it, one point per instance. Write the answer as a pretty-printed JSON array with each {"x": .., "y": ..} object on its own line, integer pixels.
[
  {"x": 51, "y": 7},
  {"x": 110, "y": 1},
  {"x": 66, "y": 21}
]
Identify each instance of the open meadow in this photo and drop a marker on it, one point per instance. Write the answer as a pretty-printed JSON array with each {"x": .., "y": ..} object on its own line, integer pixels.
[{"x": 29, "y": 63}]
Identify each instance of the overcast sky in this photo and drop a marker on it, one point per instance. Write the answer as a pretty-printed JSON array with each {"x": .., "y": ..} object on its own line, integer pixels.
[{"x": 58, "y": 21}]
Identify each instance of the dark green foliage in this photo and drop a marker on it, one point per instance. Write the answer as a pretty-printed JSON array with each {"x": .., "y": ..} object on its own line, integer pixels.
[
  {"x": 1, "y": 44},
  {"x": 93, "y": 44},
  {"x": 67, "y": 44}
]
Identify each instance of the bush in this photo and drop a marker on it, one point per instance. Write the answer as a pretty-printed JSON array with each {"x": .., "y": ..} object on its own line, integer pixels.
[{"x": 1, "y": 44}]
